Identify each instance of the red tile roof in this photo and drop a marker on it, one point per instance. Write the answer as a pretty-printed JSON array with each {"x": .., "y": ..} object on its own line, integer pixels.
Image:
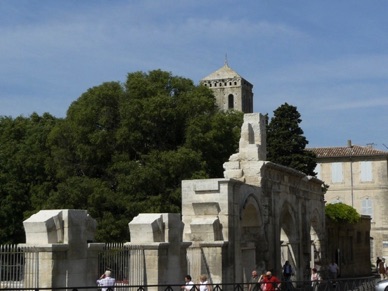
[{"x": 355, "y": 151}]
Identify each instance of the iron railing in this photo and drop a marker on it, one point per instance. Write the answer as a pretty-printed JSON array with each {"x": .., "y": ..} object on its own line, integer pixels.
[{"x": 343, "y": 284}]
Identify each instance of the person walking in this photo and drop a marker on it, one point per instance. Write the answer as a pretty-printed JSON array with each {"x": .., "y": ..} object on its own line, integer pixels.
[
  {"x": 333, "y": 270},
  {"x": 204, "y": 285},
  {"x": 377, "y": 264},
  {"x": 270, "y": 283},
  {"x": 287, "y": 273},
  {"x": 383, "y": 269},
  {"x": 254, "y": 282},
  {"x": 188, "y": 283},
  {"x": 315, "y": 278}
]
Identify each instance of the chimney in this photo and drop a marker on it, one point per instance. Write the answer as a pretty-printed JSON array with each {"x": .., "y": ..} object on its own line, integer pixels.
[{"x": 350, "y": 143}]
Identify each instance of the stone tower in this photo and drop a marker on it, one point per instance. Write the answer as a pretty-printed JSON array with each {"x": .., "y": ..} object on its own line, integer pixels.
[{"x": 230, "y": 89}]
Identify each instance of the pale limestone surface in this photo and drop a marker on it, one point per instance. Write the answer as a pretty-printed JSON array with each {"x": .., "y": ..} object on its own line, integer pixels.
[
  {"x": 147, "y": 227},
  {"x": 61, "y": 237},
  {"x": 367, "y": 197},
  {"x": 44, "y": 227},
  {"x": 258, "y": 216},
  {"x": 157, "y": 253}
]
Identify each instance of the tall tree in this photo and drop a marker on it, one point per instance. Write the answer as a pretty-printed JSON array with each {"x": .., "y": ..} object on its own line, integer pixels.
[
  {"x": 124, "y": 149},
  {"x": 286, "y": 143},
  {"x": 25, "y": 177}
]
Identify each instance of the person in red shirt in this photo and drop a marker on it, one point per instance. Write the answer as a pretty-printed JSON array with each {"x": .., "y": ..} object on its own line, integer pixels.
[{"x": 270, "y": 283}]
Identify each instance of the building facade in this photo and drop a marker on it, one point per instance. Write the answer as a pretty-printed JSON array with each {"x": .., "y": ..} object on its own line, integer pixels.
[
  {"x": 358, "y": 176},
  {"x": 230, "y": 89}
]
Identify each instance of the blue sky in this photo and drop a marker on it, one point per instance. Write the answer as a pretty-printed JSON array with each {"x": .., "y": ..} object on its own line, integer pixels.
[{"x": 327, "y": 58}]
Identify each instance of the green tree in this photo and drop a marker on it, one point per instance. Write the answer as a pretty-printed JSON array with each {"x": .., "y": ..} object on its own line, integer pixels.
[
  {"x": 25, "y": 178},
  {"x": 342, "y": 213},
  {"x": 216, "y": 137},
  {"x": 124, "y": 149},
  {"x": 286, "y": 143}
]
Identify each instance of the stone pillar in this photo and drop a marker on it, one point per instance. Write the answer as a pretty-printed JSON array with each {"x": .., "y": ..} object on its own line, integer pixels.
[
  {"x": 208, "y": 258},
  {"x": 157, "y": 253},
  {"x": 64, "y": 256}
]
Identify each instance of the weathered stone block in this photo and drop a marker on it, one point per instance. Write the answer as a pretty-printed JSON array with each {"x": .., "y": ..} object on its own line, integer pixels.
[
  {"x": 147, "y": 227},
  {"x": 233, "y": 165},
  {"x": 205, "y": 229},
  {"x": 208, "y": 208},
  {"x": 233, "y": 174},
  {"x": 44, "y": 227}
]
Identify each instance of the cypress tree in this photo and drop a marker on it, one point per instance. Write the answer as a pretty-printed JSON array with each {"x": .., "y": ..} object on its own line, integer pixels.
[{"x": 286, "y": 143}]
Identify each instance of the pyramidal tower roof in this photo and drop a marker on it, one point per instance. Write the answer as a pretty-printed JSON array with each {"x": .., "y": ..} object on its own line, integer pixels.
[{"x": 225, "y": 72}]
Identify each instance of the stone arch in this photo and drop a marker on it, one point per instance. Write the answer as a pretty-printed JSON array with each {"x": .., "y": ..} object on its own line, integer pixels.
[
  {"x": 253, "y": 241},
  {"x": 251, "y": 220},
  {"x": 289, "y": 236}
]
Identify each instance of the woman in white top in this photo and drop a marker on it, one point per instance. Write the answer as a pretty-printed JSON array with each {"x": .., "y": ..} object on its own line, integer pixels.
[
  {"x": 204, "y": 284},
  {"x": 315, "y": 278}
]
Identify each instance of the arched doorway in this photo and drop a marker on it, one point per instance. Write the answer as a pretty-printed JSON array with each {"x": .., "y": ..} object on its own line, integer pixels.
[
  {"x": 289, "y": 238},
  {"x": 253, "y": 239}
]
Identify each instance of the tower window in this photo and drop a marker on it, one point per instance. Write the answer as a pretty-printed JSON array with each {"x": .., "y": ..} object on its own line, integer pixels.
[{"x": 230, "y": 101}]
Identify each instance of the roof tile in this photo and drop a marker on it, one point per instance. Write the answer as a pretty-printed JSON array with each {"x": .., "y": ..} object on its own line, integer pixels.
[{"x": 355, "y": 151}]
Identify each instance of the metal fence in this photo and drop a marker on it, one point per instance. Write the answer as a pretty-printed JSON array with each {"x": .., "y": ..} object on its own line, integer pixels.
[
  {"x": 115, "y": 257},
  {"x": 353, "y": 284},
  {"x": 18, "y": 267}
]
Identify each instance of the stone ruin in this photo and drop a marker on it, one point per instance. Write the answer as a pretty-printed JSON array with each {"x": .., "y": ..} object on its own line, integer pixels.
[{"x": 256, "y": 217}]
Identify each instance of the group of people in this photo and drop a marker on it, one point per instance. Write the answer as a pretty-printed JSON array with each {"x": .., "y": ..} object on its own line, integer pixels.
[
  {"x": 106, "y": 282},
  {"x": 203, "y": 283},
  {"x": 269, "y": 282},
  {"x": 382, "y": 268},
  {"x": 265, "y": 282}
]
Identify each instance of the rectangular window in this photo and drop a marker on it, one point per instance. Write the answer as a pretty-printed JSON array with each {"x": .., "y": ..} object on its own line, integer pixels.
[
  {"x": 385, "y": 244},
  {"x": 336, "y": 173},
  {"x": 366, "y": 171},
  {"x": 366, "y": 207}
]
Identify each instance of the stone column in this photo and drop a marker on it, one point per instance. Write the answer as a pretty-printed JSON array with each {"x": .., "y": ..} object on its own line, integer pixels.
[
  {"x": 157, "y": 253},
  {"x": 208, "y": 258},
  {"x": 63, "y": 257}
]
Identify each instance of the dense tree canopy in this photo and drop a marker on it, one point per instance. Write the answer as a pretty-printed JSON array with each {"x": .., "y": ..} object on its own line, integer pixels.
[
  {"x": 342, "y": 213},
  {"x": 286, "y": 143},
  {"x": 122, "y": 149},
  {"x": 25, "y": 179}
]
